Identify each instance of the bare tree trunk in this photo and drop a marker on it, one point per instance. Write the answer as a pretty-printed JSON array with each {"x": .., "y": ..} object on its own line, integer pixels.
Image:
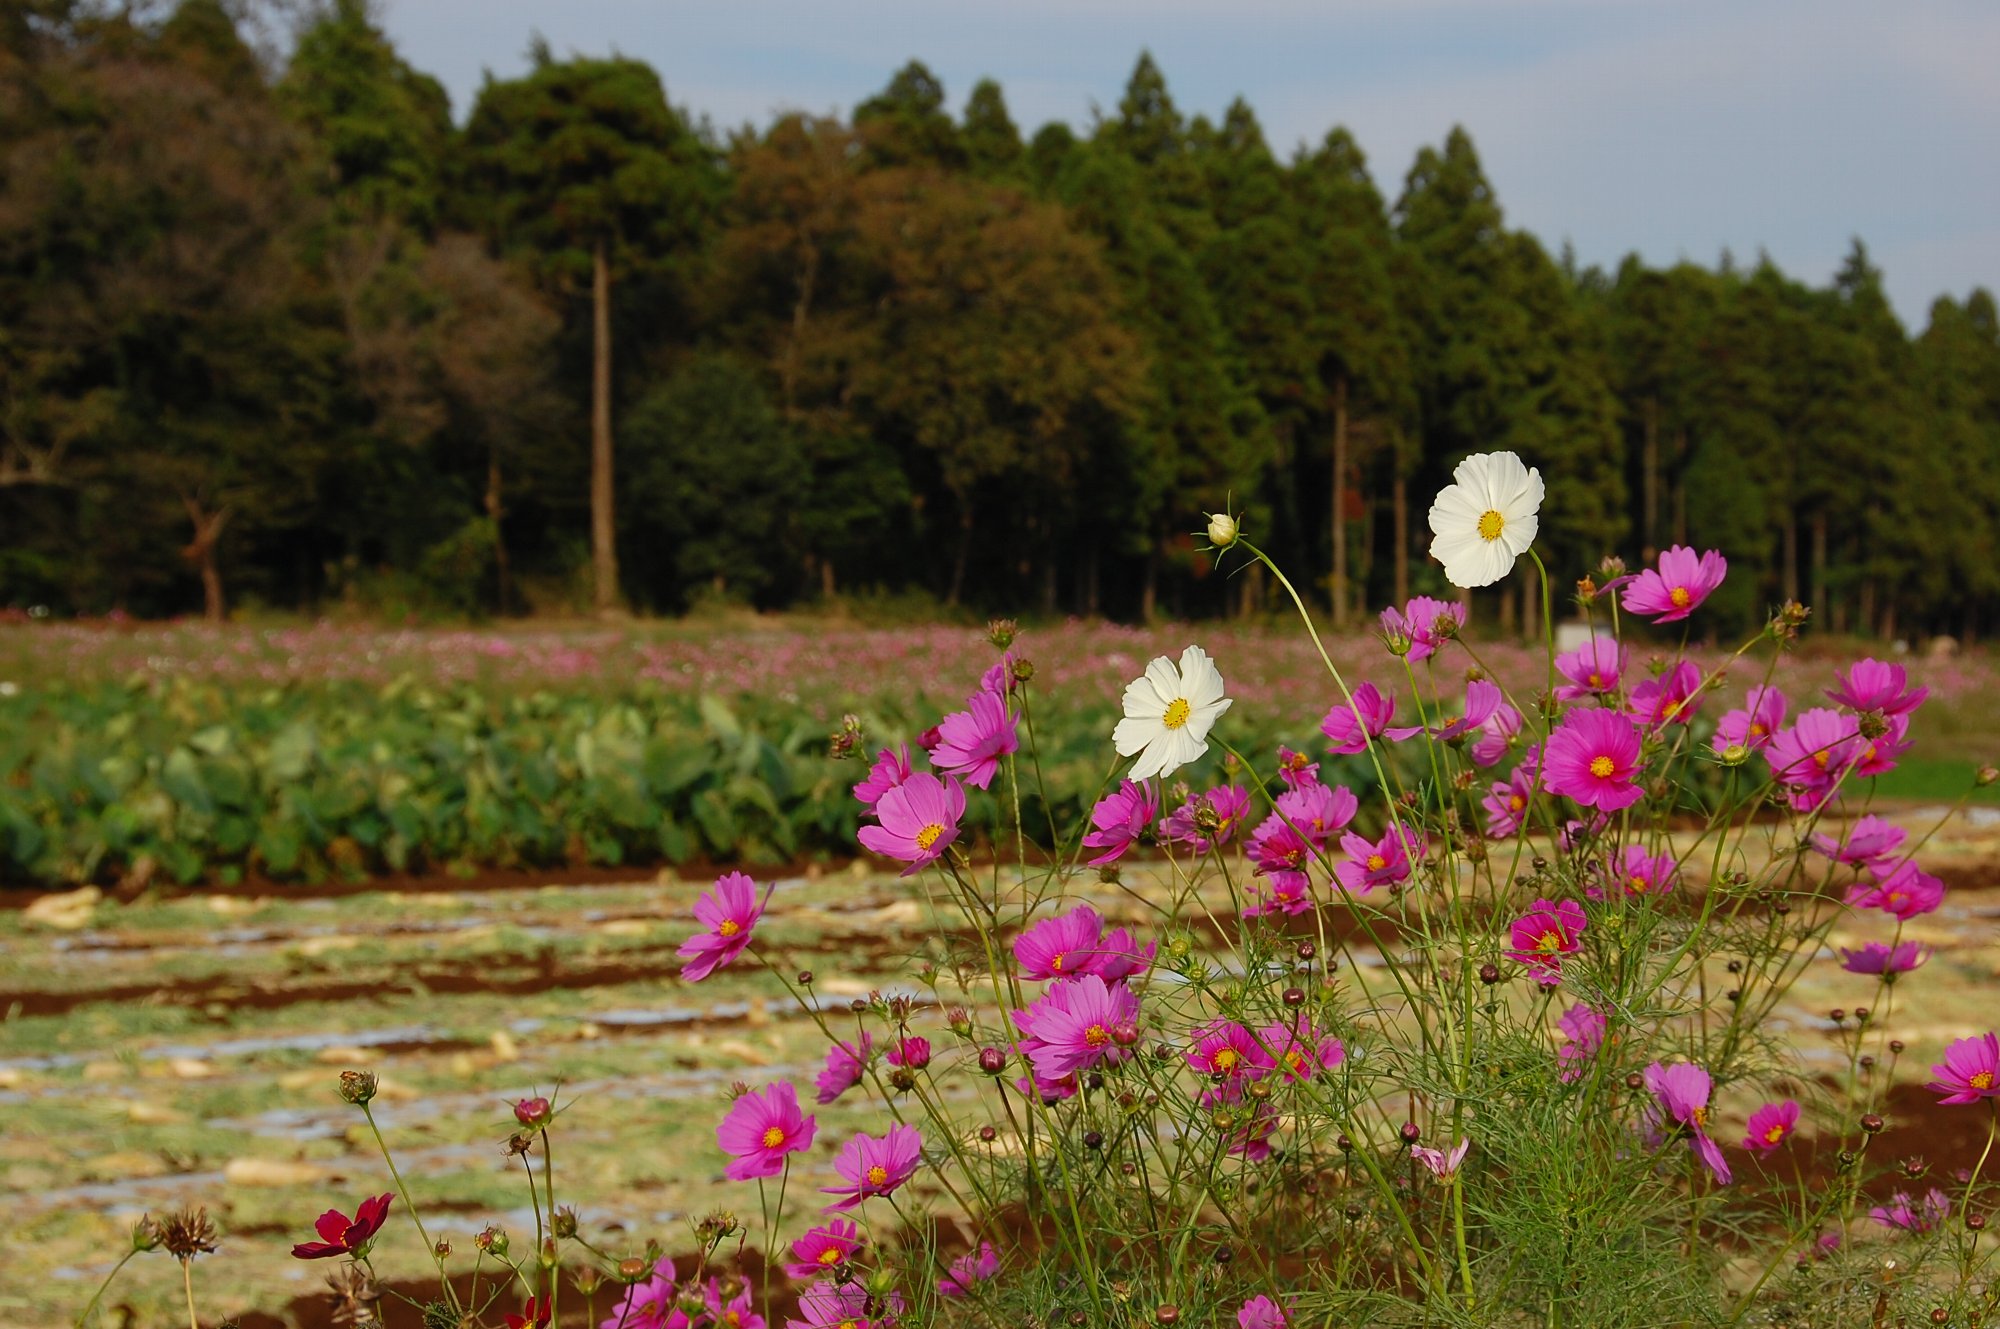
[
  {"x": 494, "y": 512},
  {"x": 1149, "y": 592},
  {"x": 1818, "y": 575},
  {"x": 1649, "y": 539},
  {"x": 1791, "y": 556},
  {"x": 1089, "y": 588},
  {"x": 1531, "y": 607},
  {"x": 826, "y": 587},
  {"x": 200, "y": 551},
  {"x": 1680, "y": 488},
  {"x": 1507, "y": 606},
  {"x": 964, "y": 553},
  {"x": 1340, "y": 502},
  {"x": 1399, "y": 504},
  {"x": 808, "y": 276},
  {"x": 603, "y": 526}
]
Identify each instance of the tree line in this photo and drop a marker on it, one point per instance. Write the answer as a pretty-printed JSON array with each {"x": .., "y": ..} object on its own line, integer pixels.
[{"x": 278, "y": 331}]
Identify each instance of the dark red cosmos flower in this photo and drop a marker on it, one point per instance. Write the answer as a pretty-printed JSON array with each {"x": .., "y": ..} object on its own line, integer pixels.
[
  {"x": 534, "y": 1315},
  {"x": 534, "y": 1112},
  {"x": 340, "y": 1235}
]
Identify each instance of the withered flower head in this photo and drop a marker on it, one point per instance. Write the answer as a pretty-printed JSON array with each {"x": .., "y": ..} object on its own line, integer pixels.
[
  {"x": 188, "y": 1233},
  {"x": 355, "y": 1296},
  {"x": 357, "y": 1087}
]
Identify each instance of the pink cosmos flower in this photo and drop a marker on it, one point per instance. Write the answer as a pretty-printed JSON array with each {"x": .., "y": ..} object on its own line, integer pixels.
[
  {"x": 844, "y": 1068},
  {"x": 1770, "y": 1126},
  {"x": 1904, "y": 891},
  {"x": 1682, "y": 582},
  {"x": 1641, "y": 873},
  {"x": 1543, "y": 935},
  {"x": 1225, "y": 1050},
  {"x": 1296, "y": 769},
  {"x": 1878, "y": 755},
  {"x": 1586, "y": 1026},
  {"x": 1593, "y": 758},
  {"x": 734, "y": 1312},
  {"x": 1443, "y": 1165},
  {"x": 1913, "y": 1216},
  {"x": 761, "y": 1129},
  {"x": 1682, "y": 1090},
  {"x": 969, "y": 1268},
  {"x": 1506, "y": 804},
  {"x": 830, "y": 1305},
  {"x": 1496, "y": 735},
  {"x": 1281, "y": 853},
  {"x": 1871, "y": 843},
  {"x": 1593, "y": 669},
  {"x": 1260, "y": 1312},
  {"x": 1120, "y": 818},
  {"x": 1752, "y": 727},
  {"x": 1297, "y": 1053},
  {"x": 1875, "y": 958},
  {"x": 1279, "y": 892},
  {"x": 1319, "y": 811},
  {"x": 1382, "y": 862},
  {"x": 651, "y": 1304},
  {"x": 891, "y": 768},
  {"x": 1810, "y": 757},
  {"x": 999, "y": 677},
  {"x": 1060, "y": 947},
  {"x": 341, "y": 1235},
  {"x": 1351, "y": 736},
  {"x": 1118, "y": 956},
  {"x": 730, "y": 909},
  {"x": 1070, "y": 1028},
  {"x": 1227, "y": 804},
  {"x": 1051, "y": 1092},
  {"x": 1969, "y": 1072},
  {"x": 1482, "y": 698},
  {"x": 971, "y": 742},
  {"x": 1425, "y": 624},
  {"x": 1669, "y": 698},
  {"x": 1250, "y": 1137},
  {"x": 919, "y": 820},
  {"x": 875, "y": 1167},
  {"x": 1870, "y": 685},
  {"x": 824, "y": 1249},
  {"x": 910, "y": 1051}
]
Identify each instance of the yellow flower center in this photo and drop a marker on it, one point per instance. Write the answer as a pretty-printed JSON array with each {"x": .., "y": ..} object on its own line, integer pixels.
[
  {"x": 727, "y": 928},
  {"x": 1775, "y": 1135},
  {"x": 877, "y": 1175},
  {"x": 1597, "y": 680},
  {"x": 1756, "y": 729},
  {"x": 1549, "y": 943},
  {"x": 850, "y": 1324},
  {"x": 1819, "y": 759},
  {"x": 1491, "y": 523},
  {"x": 1636, "y": 885},
  {"x": 1897, "y": 899},
  {"x": 1177, "y": 713},
  {"x": 1981, "y": 1080},
  {"x": 1296, "y": 1061},
  {"x": 928, "y": 836},
  {"x": 1376, "y": 862},
  {"x": 774, "y": 1137},
  {"x": 1096, "y": 1036},
  {"x": 1055, "y": 965},
  {"x": 830, "y": 1256},
  {"x": 1516, "y": 802},
  {"x": 734, "y": 1317},
  {"x": 1601, "y": 767},
  {"x": 1225, "y": 1059},
  {"x": 1679, "y": 595},
  {"x": 1700, "y": 1116}
]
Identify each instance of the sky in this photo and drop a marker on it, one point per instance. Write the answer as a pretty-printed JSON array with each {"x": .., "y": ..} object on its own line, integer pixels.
[{"x": 1674, "y": 128}]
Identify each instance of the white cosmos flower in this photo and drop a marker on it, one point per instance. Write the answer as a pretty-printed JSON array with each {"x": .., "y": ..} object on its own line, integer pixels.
[
  {"x": 1168, "y": 713},
  {"x": 1486, "y": 518}
]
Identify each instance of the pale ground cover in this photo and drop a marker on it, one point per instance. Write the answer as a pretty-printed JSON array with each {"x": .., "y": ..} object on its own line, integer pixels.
[{"x": 188, "y": 1050}]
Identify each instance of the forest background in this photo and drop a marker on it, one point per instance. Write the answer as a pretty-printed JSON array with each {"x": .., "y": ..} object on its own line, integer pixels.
[{"x": 277, "y": 333}]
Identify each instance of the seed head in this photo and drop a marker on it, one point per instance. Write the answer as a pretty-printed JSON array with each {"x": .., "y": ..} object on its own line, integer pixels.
[
  {"x": 188, "y": 1233},
  {"x": 357, "y": 1087}
]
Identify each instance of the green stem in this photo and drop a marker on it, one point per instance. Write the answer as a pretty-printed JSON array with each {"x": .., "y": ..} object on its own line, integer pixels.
[{"x": 103, "y": 1287}]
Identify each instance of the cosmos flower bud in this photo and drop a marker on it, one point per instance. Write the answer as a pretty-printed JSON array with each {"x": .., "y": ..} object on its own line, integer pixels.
[
  {"x": 492, "y": 1240},
  {"x": 534, "y": 1113},
  {"x": 1221, "y": 530},
  {"x": 633, "y": 1269},
  {"x": 1586, "y": 590},
  {"x": 357, "y": 1087},
  {"x": 146, "y": 1234},
  {"x": 1001, "y": 632},
  {"x": 1024, "y": 671},
  {"x": 1986, "y": 776},
  {"x": 565, "y": 1223}
]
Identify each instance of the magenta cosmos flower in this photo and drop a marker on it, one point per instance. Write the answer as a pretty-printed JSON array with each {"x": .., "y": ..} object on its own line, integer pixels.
[
  {"x": 1421, "y": 626},
  {"x": 1071, "y": 1028},
  {"x": 761, "y": 1129},
  {"x": 1482, "y": 699},
  {"x": 1074, "y": 944},
  {"x": 1904, "y": 892},
  {"x": 1888, "y": 961},
  {"x": 1319, "y": 811},
  {"x": 919, "y": 820},
  {"x": 1296, "y": 769},
  {"x": 1593, "y": 758},
  {"x": 1751, "y": 728},
  {"x": 1223, "y": 808},
  {"x": 1870, "y": 843},
  {"x": 1593, "y": 669},
  {"x": 1120, "y": 818},
  {"x": 651, "y": 1304},
  {"x": 1770, "y": 1126},
  {"x": 1443, "y": 1164},
  {"x": 1682, "y": 1090},
  {"x": 1913, "y": 1216},
  {"x": 1641, "y": 873},
  {"x": 891, "y": 768},
  {"x": 1373, "y": 863},
  {"x": 1586, "y": 1026},
  {"x": 1225, "y": 1050},
  {"x": 971, "y": 742},
  {"x": 1351, "y": 733},
  {"x": 1496, "y": 735},
  {"x": 732, "y": 1312},
  {"x": 830, "y": 1305},
  {"x": 844, "y": 1067},
  {"x": 824, "y": 1249},
  {"x": 1260, "y": 1312},
  {"x": 874, "y": 1167},
  {"x": 1870, "y": 685},
  {"x": 911, "y": 1051},
  {"x": 730, "y": 909},
  {"x": 341, "y": 1235},
  {"x": 1683, "y": 581},
  {"x": 1810, "y": 758},
  {"x": 1506, "y": 803},
  {"x": 968, "y": 1269},
  {"x": 1298, "y": 1053},
  {"x": 1969, "y": 1072},
  {"x": 1544, "y": 935},
  {"x": 1668, "y": 698}
]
